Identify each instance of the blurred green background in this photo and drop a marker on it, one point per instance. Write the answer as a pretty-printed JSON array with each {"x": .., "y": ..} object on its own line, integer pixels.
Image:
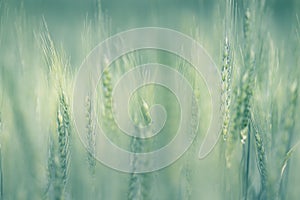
[
  {"x": 65, "y": 17},
  {"x": 28, "y": 103}
]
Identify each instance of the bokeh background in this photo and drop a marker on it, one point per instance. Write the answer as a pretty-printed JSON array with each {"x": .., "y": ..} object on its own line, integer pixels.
[{"x": 30, "y": 97}]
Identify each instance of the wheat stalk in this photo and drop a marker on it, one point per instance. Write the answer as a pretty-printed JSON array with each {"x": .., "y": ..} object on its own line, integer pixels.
[
  {"x": 226, "y": 75},
  {"x": 139, "y": 183},
  {"x": 59, "y": 158},
  {"x": 90, "y": 137},
  {"x": 289, "y": 124},
  {"x": 226, "y": 88},
  {"x": 59, "y": 153},
  {"x": 53, "y": 185},
  {"x": 91, "y": 144},
  {"x": 64, "y": 131},
  {"x": 245, "y": 91},
  {"x": 261, "y": 157}
]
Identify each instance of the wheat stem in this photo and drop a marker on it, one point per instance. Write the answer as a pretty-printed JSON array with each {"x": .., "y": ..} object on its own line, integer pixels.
[
  {"x": 289, "y": 124},
  {"x": 91, "y": 144},
  {"x": 139, "y": 183}
]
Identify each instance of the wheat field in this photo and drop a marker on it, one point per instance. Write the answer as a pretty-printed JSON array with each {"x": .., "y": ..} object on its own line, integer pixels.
[{"x": 255, "y": 46}]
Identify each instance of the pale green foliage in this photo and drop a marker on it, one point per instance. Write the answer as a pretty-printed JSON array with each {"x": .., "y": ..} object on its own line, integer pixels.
[
  {"x": 259, "y": 67},
  {"x": 256, "y": 98}
]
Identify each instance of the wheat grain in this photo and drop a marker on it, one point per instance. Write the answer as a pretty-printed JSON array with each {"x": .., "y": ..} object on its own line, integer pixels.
[
  {"x": 226, "y": 87},
  {"x": 64, "y": 131},
  {"x": 261, "y": 156},
  {"x": 59, "y": 155},
  {"x": 106, "y": 91},
  {"x": 245, "y": 90}
]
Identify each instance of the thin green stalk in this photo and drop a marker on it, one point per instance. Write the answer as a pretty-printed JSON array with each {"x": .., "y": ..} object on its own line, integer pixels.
[
  {"x": 241, "y": 121},
  {"x": 139, "y": 186},
  {"x": 289, "y": 125},
  {"x": 246, "y": 165},
  {"x": 185, "y": 190},
  {"x": 91, "y": 145},
  {"x": 137, "y": 181}
]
